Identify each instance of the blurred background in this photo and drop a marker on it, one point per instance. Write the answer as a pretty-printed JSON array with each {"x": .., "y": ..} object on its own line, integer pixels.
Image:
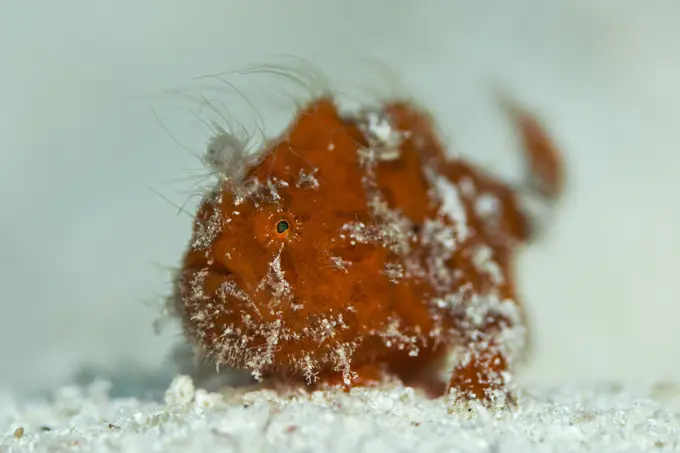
[{"x": 84, "y": 241}]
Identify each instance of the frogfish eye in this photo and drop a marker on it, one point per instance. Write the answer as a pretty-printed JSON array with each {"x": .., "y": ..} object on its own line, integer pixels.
[
  {"x": 282, "y": 227},
  {"x": 274, "y": 227}
]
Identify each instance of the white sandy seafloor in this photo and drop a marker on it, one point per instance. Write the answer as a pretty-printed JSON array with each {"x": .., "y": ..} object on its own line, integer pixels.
[{"x": 568, "y": 418}]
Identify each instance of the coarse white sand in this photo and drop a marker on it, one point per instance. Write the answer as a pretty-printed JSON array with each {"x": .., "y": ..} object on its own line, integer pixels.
[{"x": 567, "y": 418}]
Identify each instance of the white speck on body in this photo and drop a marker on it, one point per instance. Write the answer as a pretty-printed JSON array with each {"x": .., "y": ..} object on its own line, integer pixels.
[
  {"x": 487, "y": 205},
  {"x": 453, "y": 207},
  {"x": 483, "y": 260},
  {"x": 467, "y": 187}
]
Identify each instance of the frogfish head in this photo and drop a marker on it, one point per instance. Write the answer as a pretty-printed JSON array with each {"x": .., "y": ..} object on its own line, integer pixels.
[{"x": 288, "y": 268}]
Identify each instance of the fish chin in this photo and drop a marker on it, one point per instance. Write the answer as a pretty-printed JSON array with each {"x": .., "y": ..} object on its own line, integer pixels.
[{"x": 263, "y": 347}]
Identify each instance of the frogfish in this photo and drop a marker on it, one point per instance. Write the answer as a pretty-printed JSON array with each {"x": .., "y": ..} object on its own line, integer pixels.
[{"x": 352, "y": 249}]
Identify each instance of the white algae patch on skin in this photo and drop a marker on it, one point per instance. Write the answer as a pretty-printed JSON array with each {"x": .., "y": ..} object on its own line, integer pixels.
[
  {"x": 565, "y": 419},
  {"x": 453, "y": 207}
]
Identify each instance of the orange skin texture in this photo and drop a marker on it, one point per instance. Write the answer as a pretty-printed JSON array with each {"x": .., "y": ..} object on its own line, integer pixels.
[{"x": 348, "y": 293}]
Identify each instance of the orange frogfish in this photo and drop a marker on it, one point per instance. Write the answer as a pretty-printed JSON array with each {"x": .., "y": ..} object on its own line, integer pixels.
[{"x": 352, "y": 250}]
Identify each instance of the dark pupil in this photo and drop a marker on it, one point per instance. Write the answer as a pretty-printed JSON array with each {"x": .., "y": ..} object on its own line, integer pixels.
[{"x": 282, "y": 227}]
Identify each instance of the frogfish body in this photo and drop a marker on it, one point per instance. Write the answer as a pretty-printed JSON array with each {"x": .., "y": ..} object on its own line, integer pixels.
[{"x": 354, "y": 249}]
